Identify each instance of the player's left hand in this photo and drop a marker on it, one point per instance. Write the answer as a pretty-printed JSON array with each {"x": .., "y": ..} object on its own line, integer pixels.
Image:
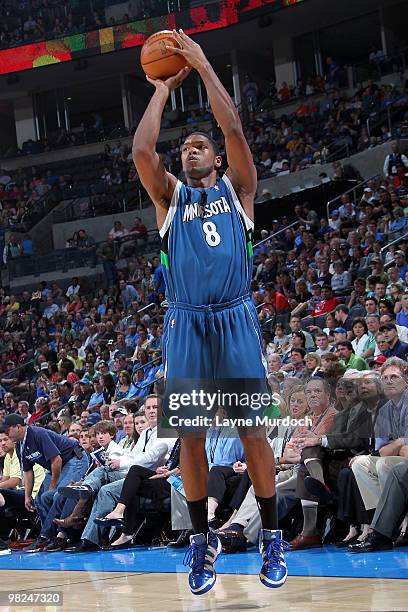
[{"x": 189, "y": 49}]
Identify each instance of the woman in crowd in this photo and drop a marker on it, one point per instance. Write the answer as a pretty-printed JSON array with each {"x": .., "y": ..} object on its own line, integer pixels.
[
  {"x": 363, "y": 344},
  {"x": 312, "y": 361},
  {"x": 140, "y": 482},
  {"x": 122, "y": 387}
]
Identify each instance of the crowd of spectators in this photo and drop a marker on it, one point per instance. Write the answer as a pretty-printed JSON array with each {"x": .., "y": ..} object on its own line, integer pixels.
[
  {"x": 324, "y": 128},
  {"x": 84, "y": 366},
  {"x": 25, "y": 196},
  {"x": 26, "y": 21}
]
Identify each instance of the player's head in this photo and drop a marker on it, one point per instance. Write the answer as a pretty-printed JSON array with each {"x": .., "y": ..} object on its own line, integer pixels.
[{"x": 200, "y": 155}]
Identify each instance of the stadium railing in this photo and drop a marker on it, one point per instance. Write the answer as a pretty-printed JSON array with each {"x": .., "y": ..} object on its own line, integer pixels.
[
  {"x": 387, "y": 246},
  {"x": 272, "y": 236},
  {"x": 397, "y": 62},
  {"x": 391, "y": 115},
  {"x": 64, "y": 260}
]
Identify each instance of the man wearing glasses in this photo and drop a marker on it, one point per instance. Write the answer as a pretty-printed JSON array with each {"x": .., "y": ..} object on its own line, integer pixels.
[{"x": 391, "y": 432}]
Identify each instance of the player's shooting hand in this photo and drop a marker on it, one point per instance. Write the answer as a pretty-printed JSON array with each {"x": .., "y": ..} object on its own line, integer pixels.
[
  {"x": 172, "y": 82},
  {"x": 189, "y": 49}
]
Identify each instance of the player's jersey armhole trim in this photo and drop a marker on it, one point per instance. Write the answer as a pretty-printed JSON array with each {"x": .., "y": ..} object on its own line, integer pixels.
[
  {"x": 249, "y": 224},
  {"x": 172, "y": 209}
]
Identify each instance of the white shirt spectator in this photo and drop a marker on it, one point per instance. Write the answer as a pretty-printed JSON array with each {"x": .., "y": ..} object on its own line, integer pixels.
[
  {"x": 335, "y": 221},
  {"x": 359, "y": 345},
  {"x": 341, "y": 281},
  {"x": 390, "y": 165},
  {"x": 73, "y": 290},
  {"x": 149, "y": 451},
  {"x": 118, "y": 231},
  {"x": 50, "y": 311},
  {"x": 277, "y": 165},
  {"x": 347, "y": 211}
]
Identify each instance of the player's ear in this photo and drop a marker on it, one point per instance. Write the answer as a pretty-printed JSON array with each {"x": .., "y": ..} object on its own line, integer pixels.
[{"x": 218, "y": 161}]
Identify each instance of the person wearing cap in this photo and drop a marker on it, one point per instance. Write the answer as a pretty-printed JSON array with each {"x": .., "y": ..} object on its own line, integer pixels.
[
  {"x": 93, "y": 419},
  {"x": 60, "y": 456},
  {"x": 349, "y": 359},
  {"x": 86, "y": 387},
  {"x": 334, "y": 220},
  {"x": 119, "y": 414},
  {"x": 376, "y": 363},
  {"x": 402, "y": 331},
  {"x": 396, "y": 347}
]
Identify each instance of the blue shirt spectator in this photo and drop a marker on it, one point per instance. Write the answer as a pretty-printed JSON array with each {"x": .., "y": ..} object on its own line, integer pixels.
[
  {"x": 41, "y": 445},
  {"x": 223, "y": 447},
  {"x": 128, "y": 294},
  {"x": 159, "y": 280}
]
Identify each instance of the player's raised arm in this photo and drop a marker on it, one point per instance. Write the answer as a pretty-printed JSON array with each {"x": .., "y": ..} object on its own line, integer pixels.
[
  {"x": 241, "y": 169},
  {"x": 157, "y": 181}
]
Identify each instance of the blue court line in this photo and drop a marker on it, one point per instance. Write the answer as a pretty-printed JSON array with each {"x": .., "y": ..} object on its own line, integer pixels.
[{"x": 327, "y": 561}]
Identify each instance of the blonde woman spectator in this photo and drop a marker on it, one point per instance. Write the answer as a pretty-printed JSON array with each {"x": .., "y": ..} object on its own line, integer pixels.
[{"x": 312, "y": 361}]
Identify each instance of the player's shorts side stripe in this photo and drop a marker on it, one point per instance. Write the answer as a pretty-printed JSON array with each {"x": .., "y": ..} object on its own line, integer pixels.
[
  {"x": 264, "y": 363},
  {"x": 172, "y": 209}
]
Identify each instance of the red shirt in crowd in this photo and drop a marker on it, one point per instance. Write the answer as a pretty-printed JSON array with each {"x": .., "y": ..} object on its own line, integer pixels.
[
  {"x": 139, "y": 228},
  {"x": 325, "y": 306},
  {"x": 279, "y": 301}
]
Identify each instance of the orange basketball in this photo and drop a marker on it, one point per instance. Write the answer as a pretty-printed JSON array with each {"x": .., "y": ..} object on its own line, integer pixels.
[{"x": 159, "y": 62}]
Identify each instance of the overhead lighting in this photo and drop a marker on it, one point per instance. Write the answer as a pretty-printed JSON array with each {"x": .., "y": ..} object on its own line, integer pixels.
[{"x": 69, "y": 99}]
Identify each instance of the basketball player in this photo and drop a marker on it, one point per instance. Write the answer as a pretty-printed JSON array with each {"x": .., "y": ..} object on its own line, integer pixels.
[{"x": 212, "y": 329}]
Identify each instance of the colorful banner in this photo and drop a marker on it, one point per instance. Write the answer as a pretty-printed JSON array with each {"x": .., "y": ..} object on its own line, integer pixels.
[{"x": 200, "y": 19}]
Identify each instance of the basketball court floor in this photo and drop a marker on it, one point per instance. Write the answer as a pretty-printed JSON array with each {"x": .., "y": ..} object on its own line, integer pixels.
[{"x": 154, "y": 580}]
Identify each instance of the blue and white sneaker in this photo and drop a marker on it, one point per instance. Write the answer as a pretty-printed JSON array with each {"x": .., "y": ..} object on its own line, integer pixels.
[
  {"x": 272, "y": 546},
  {"x": 201, "y": 557}
]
